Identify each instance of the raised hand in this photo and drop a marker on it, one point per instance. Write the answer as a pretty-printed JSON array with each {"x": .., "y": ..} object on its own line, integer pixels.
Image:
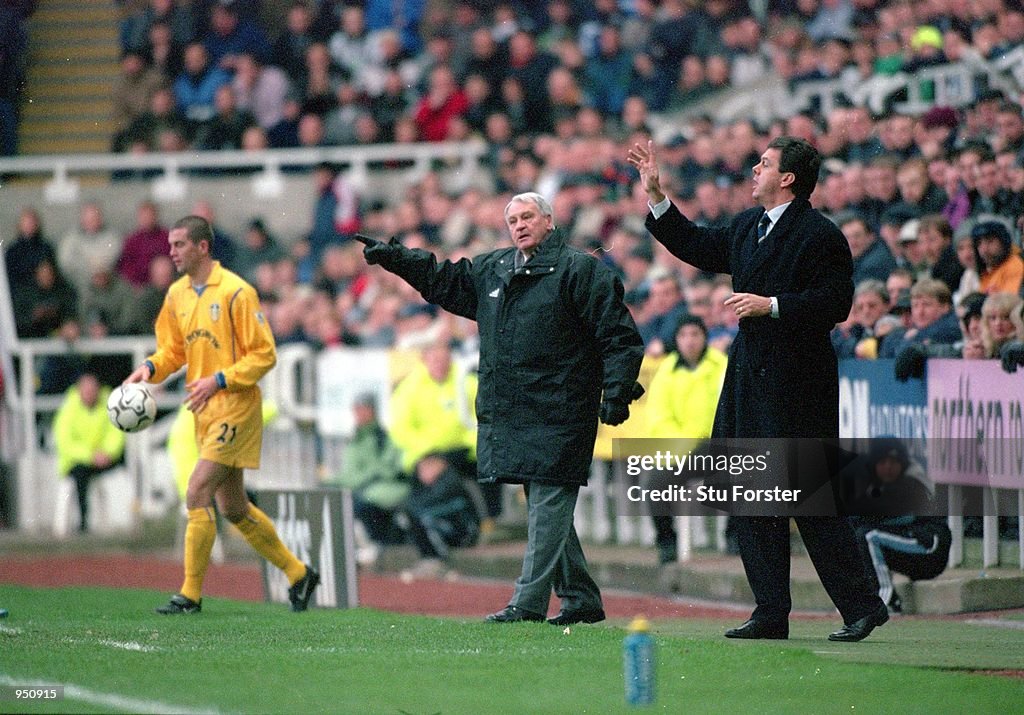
[
  {"x": 642, "y": 158},
  {"x": 376, "y": 252}
]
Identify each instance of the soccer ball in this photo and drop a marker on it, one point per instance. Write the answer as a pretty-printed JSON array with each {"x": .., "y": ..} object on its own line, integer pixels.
[{"x": 131, "y": 407}]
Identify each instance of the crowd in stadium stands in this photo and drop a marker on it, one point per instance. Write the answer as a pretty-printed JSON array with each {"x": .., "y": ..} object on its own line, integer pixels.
[{"x": 931, "y": 205}]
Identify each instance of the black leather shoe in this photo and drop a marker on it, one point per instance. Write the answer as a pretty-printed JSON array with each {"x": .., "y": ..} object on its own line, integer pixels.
[
  {"x": 755, "y": 629},
  {"x": 861, "y": 628},
  {"x": 514, "y": 614},
  {"x": 580, "y": 615}
]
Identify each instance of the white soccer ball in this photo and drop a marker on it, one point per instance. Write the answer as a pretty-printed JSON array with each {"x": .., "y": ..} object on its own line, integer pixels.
[{"x": 131, "y": 407}]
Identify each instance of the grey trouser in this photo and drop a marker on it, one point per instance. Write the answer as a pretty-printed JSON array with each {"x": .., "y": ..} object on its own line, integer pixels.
[{"x": 554, "y": 557}]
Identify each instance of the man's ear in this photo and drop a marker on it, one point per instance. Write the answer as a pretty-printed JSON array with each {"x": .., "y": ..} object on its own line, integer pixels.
[{"x": 787, "y": 179}]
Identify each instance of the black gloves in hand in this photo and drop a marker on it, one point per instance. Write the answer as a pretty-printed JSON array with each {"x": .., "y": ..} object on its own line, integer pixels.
[
  {"x": 637, "y": 393},
  {"x": 1012, "y": 355},
  {"x": 377, "y": 252},
  {"x": 614, "y": 412},
  {"x": 910, "y": 362}
]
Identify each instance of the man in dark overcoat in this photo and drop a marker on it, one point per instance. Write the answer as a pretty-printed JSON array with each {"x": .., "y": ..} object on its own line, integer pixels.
[
  {"x": 791, "y": 270},
  {"x": 558, "y": 350}
]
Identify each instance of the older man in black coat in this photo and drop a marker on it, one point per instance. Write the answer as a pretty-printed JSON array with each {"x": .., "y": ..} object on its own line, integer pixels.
[
  {"x": 558, "y": 349},
  {"x": 791, "y": 269}
]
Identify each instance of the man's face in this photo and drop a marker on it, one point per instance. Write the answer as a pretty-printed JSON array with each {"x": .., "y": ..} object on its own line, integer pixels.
[
  {"x": 185, "y": 254},
  {"x": 888, "y": 469},
  {"x": 992, "y": 251},
  {"x": 987, "y": 178},
  {"x": 527, "y": 225},
  {"x": 858, "y": 236},
  {"x": 912, "y": 184},
  {"x": 664, "y": 296},
  {"x": 925, "y": 310},
  {"x": 769, "y": 182},
  {"x": 868, "y": 308},
  {"x": 932, "y": 242}
]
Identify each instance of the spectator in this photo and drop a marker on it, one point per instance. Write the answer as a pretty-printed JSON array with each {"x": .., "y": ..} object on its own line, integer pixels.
[
  {"x": 340, "y": 122},
  {"x": 135, "y": 28},
  {"x": 335, "y": 218},
  {"x": 46, "y": 304},
  {"x": 223, "y": 248},
  {"x": 860, "y": 335},
  {"x": 259, "y": 246},
  {"x": 88, "y": 445},
  {"x": 225, "y": 129},
  {"x": 290, "y": 47},
  {"x": 531, "y": 68},
  {"x": 891, "y": 224},
  {"x": 932, "y": 320},
  {"x": 664, "y": 307},
  {"x": 433, "y": 421},
  {"x": 443, "y": 101},
  {"x": 90, "y": 248},
  {"x": 969, "y": 281},
  {"x": 935, "y": 237},
  {"x": 442, "y": 516},
  {"x": 990, "y": 197},
  {"x": 999, "y": 264},
  {"x": 146, "y": 241},
  {"x": 916, "y": 190},
  {"x": 681, "y": 403},
  {"x": 608, "y": 73},
  {"x": 162, "y": 115},
  {"x": 105, "y": 308},
  {"x": 997, "y": 328},
  {"x": 145, "y": 308},
  {"x": 163, "y": 54},
  {"x": 231, "y": 35},
  {"x": 1010, "y": 128},
  {"x": 871, "y": 257},
  {"x": 898, "y": 284},
  {"x": 133, "y": 89},
  {"x": 350, "y": 44},
  {"x": 195, "y": 88},
  {"x": 372, "y": 469},
  {"x": 488, "y": 59},
  {"x": 393, "y": 102},
  {"x": 315, "y": 90},
  {"x": 28, "y": 249},
  {"x": 894, "y": 525},
  {"x": 403, "y": 18},
  {"x": 260, "y": 89}
]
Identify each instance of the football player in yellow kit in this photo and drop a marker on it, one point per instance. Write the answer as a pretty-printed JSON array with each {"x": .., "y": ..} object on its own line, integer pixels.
[{"x": 211, "y": 321}]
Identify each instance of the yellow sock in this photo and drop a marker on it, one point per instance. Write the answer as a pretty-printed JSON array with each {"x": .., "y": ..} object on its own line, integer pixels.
[
  {"x": 259, "y": 531},
  {"x": 200, "y": 533}
]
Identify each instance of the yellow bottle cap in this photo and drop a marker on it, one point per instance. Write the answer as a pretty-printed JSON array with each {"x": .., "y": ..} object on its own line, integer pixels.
[{"x": 639, "y": 624}]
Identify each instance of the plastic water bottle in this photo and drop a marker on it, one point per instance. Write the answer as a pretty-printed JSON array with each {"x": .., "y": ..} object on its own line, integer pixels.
[{"x": 638, "y": 663}]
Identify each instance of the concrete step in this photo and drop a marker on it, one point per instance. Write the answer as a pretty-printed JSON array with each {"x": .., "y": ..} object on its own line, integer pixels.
[
  {"x": 56, "y": 31},
  {"x": 720, "y": 578},
  {"x": 77, "y": 12},
  {"x": 89, "y": 107},
  {"x": 64, "y": 145},
  {"x": 45, "y": 89},
  {"x": 63, "y": 125},
  {"x": 68, "y": 69},
  {"x": 106, "y": 51}
]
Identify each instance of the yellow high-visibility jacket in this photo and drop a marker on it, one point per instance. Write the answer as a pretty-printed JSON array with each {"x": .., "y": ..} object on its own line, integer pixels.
[
  {"x": 681, "y": 402},
  {"x": 79, "y": 431},
  {"x": 430, "y": 417}
]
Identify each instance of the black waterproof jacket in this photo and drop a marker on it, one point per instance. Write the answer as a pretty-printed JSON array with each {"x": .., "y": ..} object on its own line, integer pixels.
[{"x": 553, "y": 336}]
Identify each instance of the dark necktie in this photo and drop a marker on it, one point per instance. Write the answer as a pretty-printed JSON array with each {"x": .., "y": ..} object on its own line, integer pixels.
[{"x": 762, "y": 227}]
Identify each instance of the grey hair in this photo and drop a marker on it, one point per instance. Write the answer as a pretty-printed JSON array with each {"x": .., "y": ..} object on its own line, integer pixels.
[{"x": 532, "y": 197}]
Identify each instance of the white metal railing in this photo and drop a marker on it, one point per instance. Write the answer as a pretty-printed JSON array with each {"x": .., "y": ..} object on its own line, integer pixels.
[
  {"x": 170, "y": 185},
  {"x": 951, "y": 85}
]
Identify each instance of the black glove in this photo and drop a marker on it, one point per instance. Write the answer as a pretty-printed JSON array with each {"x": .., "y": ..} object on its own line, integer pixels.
[
  {"x": 614, "y": 412},
  {"x": 910, "y": 362},
  {"x": 377, "y": 252},
  {"x": 1012, "y": 355},
  {"x": 638, "y": 392}
]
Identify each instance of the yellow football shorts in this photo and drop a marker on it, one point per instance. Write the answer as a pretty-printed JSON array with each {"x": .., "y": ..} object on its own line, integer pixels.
[{"x": 230, "y": 430}]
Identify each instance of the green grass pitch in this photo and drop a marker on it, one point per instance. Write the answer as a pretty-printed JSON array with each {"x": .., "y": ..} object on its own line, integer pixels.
[{"x": 115, "y": 654}]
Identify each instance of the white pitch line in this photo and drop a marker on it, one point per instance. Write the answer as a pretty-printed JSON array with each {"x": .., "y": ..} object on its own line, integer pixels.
[
  {"x": 997, "y": 622},
  {"x": 130, "y": 645},
  {"x": 9, "y": 630},
  {"x": 111, "y": 700}
]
